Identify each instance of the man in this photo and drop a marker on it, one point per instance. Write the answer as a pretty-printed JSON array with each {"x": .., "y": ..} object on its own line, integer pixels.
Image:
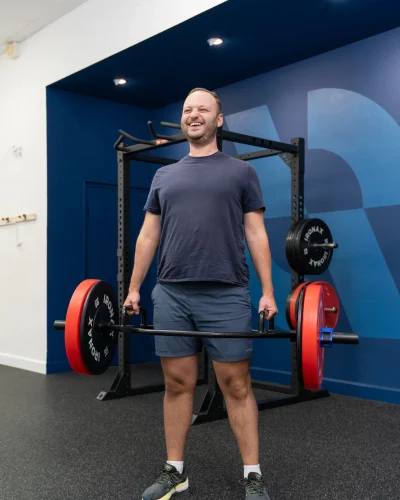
[{"x": 197, "y": 213}]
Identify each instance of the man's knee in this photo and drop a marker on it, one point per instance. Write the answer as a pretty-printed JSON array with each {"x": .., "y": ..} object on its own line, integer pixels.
[
  {"x": 180, "y": 374},
  {"x": 234, "y": 379},
  {"x": 175, "y": 385},
  {"x": 238, "y": 389}
]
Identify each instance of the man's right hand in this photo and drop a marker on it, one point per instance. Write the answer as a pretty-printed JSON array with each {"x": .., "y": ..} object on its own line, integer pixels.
[{"x": 132, "y": 300}]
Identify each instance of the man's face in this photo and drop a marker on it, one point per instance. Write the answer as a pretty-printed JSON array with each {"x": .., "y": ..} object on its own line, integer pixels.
[{"x": 200, "y": 118}]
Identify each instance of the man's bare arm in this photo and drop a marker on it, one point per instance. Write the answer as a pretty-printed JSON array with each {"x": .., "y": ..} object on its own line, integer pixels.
[
  {"x": 258, "y": 244},
  {"x": 146, "y": 248}
]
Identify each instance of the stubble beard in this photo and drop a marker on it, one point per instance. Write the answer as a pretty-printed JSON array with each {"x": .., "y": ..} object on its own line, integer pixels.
[{"x": 207, "y": 136}]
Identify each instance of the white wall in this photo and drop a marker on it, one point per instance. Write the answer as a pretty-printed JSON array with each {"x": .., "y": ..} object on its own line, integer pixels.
[{"x": 95, "y": 30}]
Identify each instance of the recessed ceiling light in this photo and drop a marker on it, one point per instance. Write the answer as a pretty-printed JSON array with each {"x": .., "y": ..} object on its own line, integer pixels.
[
  {"x": 214, "y": 41},
  {"x": 120, "y": 81}
]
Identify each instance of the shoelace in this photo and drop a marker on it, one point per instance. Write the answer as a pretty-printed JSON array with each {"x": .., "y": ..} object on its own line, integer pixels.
[
  {"x": 165, "y": 477},
  {"x": 253, "y": 486}
]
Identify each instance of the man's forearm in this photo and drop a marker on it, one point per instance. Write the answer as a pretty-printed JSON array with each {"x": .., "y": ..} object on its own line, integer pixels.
[
  {"x": 260, "y": 253},
  {"x": 144, "y": 254}
]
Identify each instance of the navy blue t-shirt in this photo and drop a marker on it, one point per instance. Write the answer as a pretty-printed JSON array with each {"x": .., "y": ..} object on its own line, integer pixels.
[{"x": 201, "y": 202}]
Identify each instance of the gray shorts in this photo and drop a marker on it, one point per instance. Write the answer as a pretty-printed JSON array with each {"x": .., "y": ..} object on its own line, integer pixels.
[{"x": 202, "y": 306}]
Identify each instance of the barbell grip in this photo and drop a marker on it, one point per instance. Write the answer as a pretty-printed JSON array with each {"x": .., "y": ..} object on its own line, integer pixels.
[
  {"x": 59, "y": 325},
  {"x": 345, "y": 338}
]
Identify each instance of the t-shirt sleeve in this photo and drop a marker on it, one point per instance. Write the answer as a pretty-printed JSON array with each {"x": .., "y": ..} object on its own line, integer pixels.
[
  {"x": 153, "y": 203},
  {"x": 252, "y": 196}
]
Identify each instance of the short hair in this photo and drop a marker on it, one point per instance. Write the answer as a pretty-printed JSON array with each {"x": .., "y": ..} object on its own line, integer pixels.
[{"x": 200, "y": 89}]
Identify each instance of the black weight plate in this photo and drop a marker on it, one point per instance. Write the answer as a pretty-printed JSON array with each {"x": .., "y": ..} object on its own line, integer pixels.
[
  {"x": 313, "y": 261},
  {"x": 296, "y": 244},
  {"x": 290, "y": 248},
  {"x": 98, "y": 348}
]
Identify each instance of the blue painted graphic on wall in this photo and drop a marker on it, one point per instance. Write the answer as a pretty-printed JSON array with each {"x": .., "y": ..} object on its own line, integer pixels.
[
  {"x": 365, "y": 136},
  {"x": 352, "y": 182}
]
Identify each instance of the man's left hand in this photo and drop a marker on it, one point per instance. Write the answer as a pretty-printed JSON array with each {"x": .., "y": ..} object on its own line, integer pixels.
[{"x": 268, "y": 304}]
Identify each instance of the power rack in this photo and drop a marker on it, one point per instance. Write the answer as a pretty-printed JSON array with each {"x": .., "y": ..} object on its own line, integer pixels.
[{"x": 293, "y": 155}]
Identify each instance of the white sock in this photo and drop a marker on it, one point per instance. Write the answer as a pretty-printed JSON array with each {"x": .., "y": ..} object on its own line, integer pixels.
[
  {"x": 251, "y": 468},
  {"x": 178, "y": 465}
]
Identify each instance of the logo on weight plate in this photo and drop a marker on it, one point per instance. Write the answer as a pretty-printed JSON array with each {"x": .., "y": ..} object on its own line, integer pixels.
[
  {"x": 108, "y": 303},
  {"x": 320, "y": 262},
  {"x": 312, "y": 230}
]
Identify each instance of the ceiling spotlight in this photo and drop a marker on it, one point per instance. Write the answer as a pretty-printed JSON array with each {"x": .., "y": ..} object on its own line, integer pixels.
[
  {"x": 119, "y": 81},
  {"x": 214, "y": 41}
]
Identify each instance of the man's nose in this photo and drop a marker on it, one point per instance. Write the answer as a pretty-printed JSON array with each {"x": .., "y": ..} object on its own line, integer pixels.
[{"x": 194, "y": 114}]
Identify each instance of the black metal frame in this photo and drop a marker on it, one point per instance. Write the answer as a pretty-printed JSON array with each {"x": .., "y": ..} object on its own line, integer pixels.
[{"x": 212, "y": 407}]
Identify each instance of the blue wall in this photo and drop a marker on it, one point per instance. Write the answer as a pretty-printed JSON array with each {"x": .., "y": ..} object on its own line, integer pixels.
[
  {"x": 82, "y": 205},
  {"x": 346, "y": 105}
]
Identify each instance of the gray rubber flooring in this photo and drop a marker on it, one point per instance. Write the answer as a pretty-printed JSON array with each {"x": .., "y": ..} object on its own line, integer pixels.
[{"x": 58, "y": 442}]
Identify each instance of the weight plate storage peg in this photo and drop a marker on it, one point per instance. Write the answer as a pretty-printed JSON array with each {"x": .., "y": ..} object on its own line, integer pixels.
[
  {"x": 90, "y": 349},
  {"x": 309, "y": 247}
]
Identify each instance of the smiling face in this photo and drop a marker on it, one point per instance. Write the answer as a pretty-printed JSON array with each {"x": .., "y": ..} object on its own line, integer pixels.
[{"x": 200, "y": 118}]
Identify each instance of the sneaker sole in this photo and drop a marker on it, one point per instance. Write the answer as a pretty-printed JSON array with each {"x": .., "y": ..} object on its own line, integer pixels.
[{"x": 178, "y": 489}]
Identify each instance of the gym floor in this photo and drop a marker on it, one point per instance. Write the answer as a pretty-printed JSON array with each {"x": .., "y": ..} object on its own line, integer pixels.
[{"x": 58, "y": 442}]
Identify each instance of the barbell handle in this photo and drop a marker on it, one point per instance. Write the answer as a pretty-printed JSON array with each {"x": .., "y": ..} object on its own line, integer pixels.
[
  {"x": 143, "y": 318},
  {"x": 261, "y": 323},
  {"x": 59, "y": 325}
]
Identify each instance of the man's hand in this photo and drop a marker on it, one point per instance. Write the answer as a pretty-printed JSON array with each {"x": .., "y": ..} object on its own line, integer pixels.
[
  {"x": 132, "y": 300},
  {"x": 268, "y": 304}
]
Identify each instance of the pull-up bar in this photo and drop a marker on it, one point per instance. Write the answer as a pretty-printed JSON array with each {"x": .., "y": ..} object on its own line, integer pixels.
[{"x": 271, "y": 148}]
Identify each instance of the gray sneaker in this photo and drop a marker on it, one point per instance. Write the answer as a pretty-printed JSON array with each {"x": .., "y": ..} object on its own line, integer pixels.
[
  {"x": 169, "y": 482},
  {"x": 255, "y": 487}
]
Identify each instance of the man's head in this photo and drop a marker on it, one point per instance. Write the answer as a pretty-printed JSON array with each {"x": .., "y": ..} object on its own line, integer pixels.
[{"x": 201, "y": 116}]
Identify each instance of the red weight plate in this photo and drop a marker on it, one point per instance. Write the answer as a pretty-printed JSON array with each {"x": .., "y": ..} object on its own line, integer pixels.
[
  {"x": 312, "y": 352},
  {"x": 331, "y": 300},
  {"x": 73, "y": 325},
  {"x": 293, "y": 308}
]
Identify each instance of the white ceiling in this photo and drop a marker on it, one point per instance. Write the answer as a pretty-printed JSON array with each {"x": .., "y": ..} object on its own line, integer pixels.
[{"x": 20, "y": 19}]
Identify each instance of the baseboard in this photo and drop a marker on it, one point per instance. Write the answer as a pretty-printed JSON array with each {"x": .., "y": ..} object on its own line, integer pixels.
[
  {"x": 29, "y": 364},
  {"x": 336, "y": 386},
  {"x": 363, "y": 391},
  {"x": 58, "y": 367}
]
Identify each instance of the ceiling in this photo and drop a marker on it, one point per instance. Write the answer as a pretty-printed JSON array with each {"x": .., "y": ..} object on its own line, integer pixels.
[
  {"x": 260, "y": 35},
  {"x": 20, "y": 19}
]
